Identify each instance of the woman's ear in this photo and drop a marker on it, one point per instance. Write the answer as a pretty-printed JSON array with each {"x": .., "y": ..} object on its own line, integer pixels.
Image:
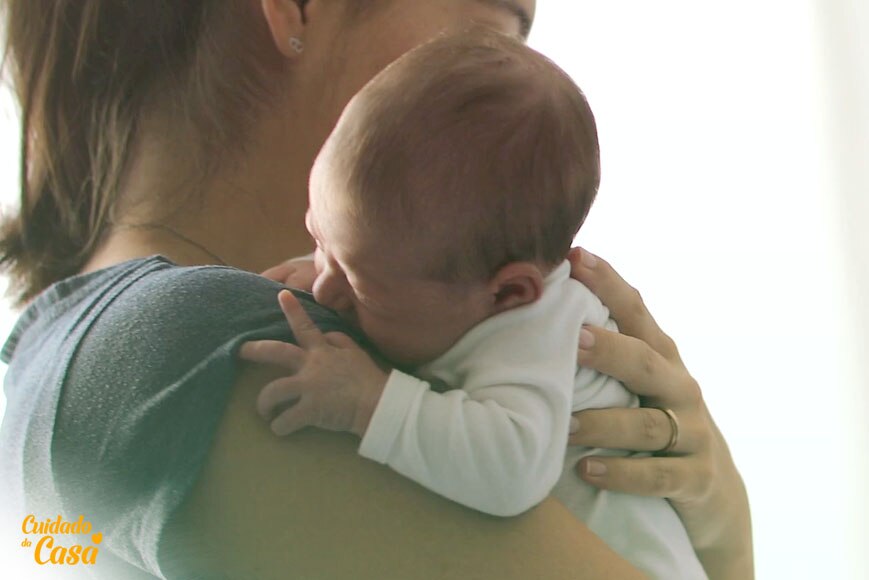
[
  {"x": 286, "y": 21},
  {"x": 516, "y": 284}
]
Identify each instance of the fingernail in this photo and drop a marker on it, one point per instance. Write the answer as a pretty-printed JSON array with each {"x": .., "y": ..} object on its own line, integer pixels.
[
  {"x": 574, "y": 424},
  {"x": 595, "y": 468},
  {"x": 588, "y": 259},
  {"x": 586, "y": 339}
]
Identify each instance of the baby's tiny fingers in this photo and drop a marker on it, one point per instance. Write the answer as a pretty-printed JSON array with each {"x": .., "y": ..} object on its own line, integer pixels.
[
  {"x": 300, "y": 281},
  {"x": 276, "y": 393},
  {"x": 291, "y": 420},
  {"x": 303, "y": 275},
  {"x": 280, "y": 272},
  {"x": 273, "y": 352},
  {"x": 306, "y": 332},
  {"x": 340, "y": 340}
]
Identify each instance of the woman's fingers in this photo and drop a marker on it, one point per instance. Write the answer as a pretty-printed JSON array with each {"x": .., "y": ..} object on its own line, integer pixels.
[
  {"x": 625, "y": 304},
  {"x": 273, "y": 352},
  {"x": 306, "y": 332},
  {"x": 640, "y": 367},
  {"x": 644, "y": 429},
  {"x": 277, "y": 393},
  {"x": 668, "y": 477}
]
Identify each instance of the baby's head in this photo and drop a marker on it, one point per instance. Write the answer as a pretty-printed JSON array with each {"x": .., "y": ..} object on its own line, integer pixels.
[{"x": 451, "y": 185}]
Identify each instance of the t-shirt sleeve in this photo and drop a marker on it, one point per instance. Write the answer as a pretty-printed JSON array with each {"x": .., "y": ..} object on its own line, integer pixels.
[{"x": 145, "y": 391}]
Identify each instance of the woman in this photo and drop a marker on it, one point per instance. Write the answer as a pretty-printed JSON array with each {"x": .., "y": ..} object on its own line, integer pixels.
[{"x": 187, "y": 129}]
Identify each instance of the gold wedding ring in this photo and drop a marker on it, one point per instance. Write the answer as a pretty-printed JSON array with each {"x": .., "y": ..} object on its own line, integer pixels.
[{"x": 674, "y": 430}]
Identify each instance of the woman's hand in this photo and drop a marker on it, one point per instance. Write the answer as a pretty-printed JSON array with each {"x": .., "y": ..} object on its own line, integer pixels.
[
  {"x": 332, "y": 383},
  {"x": 294, "y": 273},
  {"x": 697, "y": 475}
]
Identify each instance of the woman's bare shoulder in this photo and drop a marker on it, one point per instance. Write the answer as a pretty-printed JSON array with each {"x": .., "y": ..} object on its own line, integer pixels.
[{"x": 309, "y": 507}]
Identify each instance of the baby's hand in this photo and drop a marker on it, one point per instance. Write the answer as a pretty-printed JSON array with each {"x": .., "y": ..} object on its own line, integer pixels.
[
  {"x": 332, "y": 383},
  {"x": 294, "y": 273}
]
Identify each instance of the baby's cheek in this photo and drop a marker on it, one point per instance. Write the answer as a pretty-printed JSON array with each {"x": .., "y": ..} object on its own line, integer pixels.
[{"x": 408, "y": 347}]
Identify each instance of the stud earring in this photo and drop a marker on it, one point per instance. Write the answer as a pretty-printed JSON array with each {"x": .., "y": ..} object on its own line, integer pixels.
[{"x": 297, "y": 44}]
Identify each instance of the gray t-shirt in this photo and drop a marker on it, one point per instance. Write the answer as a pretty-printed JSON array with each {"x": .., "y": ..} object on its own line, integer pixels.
[{"x": 117, "y": 380}]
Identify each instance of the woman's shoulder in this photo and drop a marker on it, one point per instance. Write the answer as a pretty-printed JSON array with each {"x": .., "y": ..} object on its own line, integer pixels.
[
  {"x": 153, "y": 297},
  {"x": 146, "y": 371},
  {"x": 175, "y": 306},
  {"x": 203, "y": 296},
  {"x": 177, "y": 302},
  {"x": 159, "y": 329}
]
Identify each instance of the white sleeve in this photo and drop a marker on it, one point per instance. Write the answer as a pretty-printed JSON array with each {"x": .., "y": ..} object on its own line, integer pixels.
[{"x": 497, "y": 445}]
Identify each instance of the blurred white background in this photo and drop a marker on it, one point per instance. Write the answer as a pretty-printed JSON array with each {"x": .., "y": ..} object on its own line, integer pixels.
[{"x": 735, "y": 144}]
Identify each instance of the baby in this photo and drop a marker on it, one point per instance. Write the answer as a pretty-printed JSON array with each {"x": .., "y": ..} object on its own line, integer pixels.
[{"x": 443, "y": 206}]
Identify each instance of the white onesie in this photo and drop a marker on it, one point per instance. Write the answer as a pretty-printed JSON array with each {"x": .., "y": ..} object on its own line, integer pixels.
[{"x": 497, "y": 444}]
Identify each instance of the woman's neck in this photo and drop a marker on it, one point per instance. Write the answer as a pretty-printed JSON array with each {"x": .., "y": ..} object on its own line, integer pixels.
[{"x": 250, "y": 214}]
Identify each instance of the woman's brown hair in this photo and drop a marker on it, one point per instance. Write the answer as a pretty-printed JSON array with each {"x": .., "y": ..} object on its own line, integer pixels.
[{"x": 86, "y": 72}]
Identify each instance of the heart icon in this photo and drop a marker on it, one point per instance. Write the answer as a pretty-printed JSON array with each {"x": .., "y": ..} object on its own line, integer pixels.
[{"x": 97, "y": 538}]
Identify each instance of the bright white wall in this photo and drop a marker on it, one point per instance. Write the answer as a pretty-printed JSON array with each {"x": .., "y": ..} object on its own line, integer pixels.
[
  {"x": 844, "y": 42},
  {"x": 733, "y": 197}
]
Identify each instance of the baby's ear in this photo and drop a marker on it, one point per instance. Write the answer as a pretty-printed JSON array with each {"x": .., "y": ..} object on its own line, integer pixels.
[{"x": 516, "y": 284}]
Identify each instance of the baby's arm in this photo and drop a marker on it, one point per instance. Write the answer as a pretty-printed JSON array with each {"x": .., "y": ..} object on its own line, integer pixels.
[
  {"x": 497, "y": 445},
  {"x": 495, "y": 448}
]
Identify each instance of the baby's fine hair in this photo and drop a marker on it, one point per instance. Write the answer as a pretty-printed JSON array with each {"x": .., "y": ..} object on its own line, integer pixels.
[{"x": 477, "y": 151}]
